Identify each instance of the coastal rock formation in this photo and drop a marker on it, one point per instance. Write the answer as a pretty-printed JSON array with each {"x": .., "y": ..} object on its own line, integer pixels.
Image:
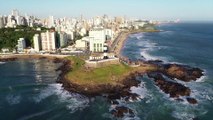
[
  {"x": 181, "y": 72},
  {"x": 191, "y": 100},
  {"x": 120, "y": 111},
  {"x": 175, "y": 90},
  {"x": 117, "y": 91},
  {"x": 8, "y": 59}
]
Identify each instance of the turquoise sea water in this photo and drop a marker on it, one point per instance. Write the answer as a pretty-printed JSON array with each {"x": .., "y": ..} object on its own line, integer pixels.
[{"x": 28, "y": 90}]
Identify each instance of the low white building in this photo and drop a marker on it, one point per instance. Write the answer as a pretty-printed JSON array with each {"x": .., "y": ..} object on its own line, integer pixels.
[{"x": 81, "y": 44}]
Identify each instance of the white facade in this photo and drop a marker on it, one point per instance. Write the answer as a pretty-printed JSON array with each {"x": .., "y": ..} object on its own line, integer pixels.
[
  {"x": 96, "y": 45},
  {"x": 98, "y": 34},
  {"x": 81, "y": 44},
  {"x": 48, "y": 41},
  {"x": 109, "y": 33},
  {"x": 21, "y": 45},
  {"x": 98, "y": 38},
  {"x": 51, "y": 22},
  {"x": 37, "y": 42},
  {"x": 19, "y": 20}
]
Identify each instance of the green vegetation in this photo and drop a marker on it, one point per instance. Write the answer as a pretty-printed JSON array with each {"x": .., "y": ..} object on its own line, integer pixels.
[
  {"x": 108, "y": 74},
  {"x": 10, "y": 36}
]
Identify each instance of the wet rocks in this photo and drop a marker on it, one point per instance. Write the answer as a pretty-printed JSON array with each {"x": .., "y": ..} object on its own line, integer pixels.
[
  {"x": 121, "y": 111},
  {"x": 175, "y": 90},
  {"x": 57, "y": 60},
  {"x": 181, "y": 72},
  {"x": 8, "y": 59},
  {"x": 191, "y": 100}
]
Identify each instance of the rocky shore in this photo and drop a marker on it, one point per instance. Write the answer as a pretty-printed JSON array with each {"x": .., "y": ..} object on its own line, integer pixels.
[
  {"x": 166, "y": 77},
  {"x": 13, "y": 57}
]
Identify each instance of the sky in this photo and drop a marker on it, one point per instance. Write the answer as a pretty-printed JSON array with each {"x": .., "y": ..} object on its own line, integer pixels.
[{"x": 186, "y": 10}]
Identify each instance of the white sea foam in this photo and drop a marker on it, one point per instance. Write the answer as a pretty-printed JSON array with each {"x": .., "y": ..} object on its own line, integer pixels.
[
  {"x": 183, "y": 115},
  {"x": 140, "y": 90},
  {"x": 147, "y": 56},
  {"x": 202, "y": 78},
  {"x": 13, "y": 99},
  {"x": 149, "y": 47},
  {"x": 2, "y": 62},
  {"x": 74, "y": 101},
  {"x": 185, "y": 111}
]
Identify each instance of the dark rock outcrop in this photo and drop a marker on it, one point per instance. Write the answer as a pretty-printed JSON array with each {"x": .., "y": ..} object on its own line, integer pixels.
[
  {"x": 191, "y": 100},
  {"x": 181, "y": 72},
  {"x": 173, "y": 89},
  {"x": 8, "y": 59},
  {"x": 120, "y": 111}
]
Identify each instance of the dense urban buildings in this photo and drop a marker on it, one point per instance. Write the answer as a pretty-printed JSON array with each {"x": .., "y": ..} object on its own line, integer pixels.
[{"x": 94, "y": 35}]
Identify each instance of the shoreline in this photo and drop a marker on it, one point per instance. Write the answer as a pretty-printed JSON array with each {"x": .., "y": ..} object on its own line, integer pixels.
[
  {"x": 120, "y": 86},
  {"x": 13, "y": 57},
  {"x": 123, "y": 39},
  {"x": 155, "y": 71}
]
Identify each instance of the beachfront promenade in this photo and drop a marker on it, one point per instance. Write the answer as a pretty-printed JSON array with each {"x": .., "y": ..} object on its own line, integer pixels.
[{"x": 118, "y": 43}]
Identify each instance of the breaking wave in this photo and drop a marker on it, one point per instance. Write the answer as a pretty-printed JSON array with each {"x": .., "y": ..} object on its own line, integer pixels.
[{"x": 73, "y": 101}]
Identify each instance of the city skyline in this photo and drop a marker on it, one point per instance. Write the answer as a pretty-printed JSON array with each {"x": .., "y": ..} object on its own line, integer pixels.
[{"x": 190, "y": 10}]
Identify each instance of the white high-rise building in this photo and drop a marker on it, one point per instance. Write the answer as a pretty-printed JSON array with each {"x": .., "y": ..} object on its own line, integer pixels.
[
  {"x": 21, "y": 45},
  {"x": 48, "y": 41},
  {"x": 19, "y": 20},
  {"x": 51, "y": 22},
  {"x": 37, "y": 42},
  {"x": 98, "y": 33},
  {"x": 97, "y": 40}
]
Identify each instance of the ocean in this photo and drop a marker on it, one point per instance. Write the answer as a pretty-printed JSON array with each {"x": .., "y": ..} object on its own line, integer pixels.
[{"x": 28, "y": 89}]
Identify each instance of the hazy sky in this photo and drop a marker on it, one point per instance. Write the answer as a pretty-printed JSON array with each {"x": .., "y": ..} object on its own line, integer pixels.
[{"x": 148, "y": 9}]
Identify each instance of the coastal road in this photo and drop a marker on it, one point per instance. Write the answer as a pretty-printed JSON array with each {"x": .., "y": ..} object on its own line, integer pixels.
[{"x": 115, "y": 42}]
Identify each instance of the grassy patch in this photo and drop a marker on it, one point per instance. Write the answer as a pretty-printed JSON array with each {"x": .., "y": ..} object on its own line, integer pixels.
[
  {"x": 108, "y": 74},
  {"x": 111, "y": 74}
]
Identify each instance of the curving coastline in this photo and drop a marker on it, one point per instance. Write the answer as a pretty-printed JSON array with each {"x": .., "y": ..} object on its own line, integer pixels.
[
  {"x": 155, "y": 70},
  {"x": 120, "y": 88}
]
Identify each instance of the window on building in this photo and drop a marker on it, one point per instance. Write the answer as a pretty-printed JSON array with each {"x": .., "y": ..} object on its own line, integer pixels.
[{"x": 94, "y": 45}]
